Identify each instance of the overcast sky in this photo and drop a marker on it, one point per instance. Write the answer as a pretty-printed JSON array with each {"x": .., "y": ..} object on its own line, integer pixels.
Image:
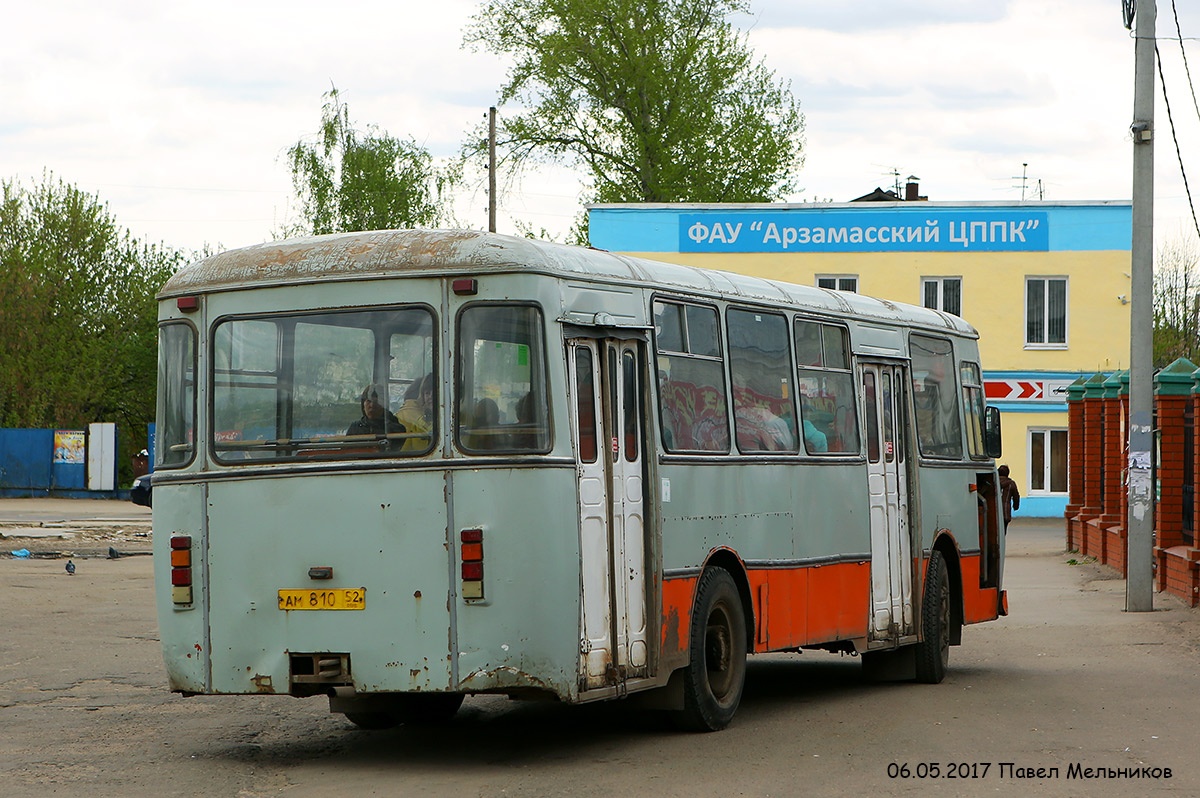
[{"x": 178, "y": 115}]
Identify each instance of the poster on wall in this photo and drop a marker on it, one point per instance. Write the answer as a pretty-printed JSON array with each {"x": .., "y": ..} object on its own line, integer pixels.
[{"x": 69, "y": 447}]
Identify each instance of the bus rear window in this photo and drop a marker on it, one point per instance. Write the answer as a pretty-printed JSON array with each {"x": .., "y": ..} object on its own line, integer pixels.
[
  {"x": 324, "y": 385},
  {"x": 501, "y": 402}
]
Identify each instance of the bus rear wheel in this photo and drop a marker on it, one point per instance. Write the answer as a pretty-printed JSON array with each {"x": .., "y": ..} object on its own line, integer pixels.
[
  {"x": 933, "y": 652},
  {"x": 414, "y": 709},
  {"x": 716, "y": 673}
]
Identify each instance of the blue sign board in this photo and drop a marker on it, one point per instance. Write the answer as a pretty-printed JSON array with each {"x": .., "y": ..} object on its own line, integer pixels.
[
  {"x": 800, "y": 231},
  {"x": 866, "y": 227}
]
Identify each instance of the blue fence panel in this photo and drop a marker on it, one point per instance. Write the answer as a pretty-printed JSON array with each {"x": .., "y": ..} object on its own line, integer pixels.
[{"x": 25, "y": 458}]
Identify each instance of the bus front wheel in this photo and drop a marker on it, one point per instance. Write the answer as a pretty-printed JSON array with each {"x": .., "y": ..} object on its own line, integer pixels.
[
  {"x": 716, "y": 672},
  {"x": 933, "y": 652}
]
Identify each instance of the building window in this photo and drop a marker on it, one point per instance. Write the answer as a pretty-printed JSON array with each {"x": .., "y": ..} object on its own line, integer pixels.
[
  {"x": 1046, "y": 312},
  {"x": 1047, "y": 461},
  {"x": 942, "y": 293},
  {"x": 838, "y": 282}
]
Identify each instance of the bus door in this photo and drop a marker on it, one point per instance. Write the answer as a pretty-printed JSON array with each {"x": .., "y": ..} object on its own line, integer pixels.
[
  {"x": 887, "y": 481},
  {"x": 606, "y": 386}
]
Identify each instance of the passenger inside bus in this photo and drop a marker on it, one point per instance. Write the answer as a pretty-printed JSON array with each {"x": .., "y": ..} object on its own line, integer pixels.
[
  {"x": 486, "y": 419},
  {"x": 416, "y": 414},
  {"x": 814, "y": 439},
  {"x": 376, "y": 418}
]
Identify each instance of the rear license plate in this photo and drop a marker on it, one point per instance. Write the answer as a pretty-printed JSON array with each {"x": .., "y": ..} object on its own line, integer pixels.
[{"x": 339, "y": 599}]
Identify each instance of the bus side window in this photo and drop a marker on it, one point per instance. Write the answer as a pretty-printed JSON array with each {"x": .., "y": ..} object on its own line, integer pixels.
[
  {"x": 691, "y": 378},
  {"x": 872, "y": 416},
  {"x": 587, "y": 404},
  {"x": 501, "y": 382},
  {"x": 825, "y": 388}
]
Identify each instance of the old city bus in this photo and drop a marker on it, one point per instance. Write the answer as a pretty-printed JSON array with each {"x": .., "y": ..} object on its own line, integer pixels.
[{"x": 397, "y": 468}]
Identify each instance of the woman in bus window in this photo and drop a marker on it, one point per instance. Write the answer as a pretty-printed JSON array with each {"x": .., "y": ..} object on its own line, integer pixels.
[{"x": 416, "y": 414}]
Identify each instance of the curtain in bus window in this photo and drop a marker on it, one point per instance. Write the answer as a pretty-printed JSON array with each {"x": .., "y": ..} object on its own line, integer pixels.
[
  {"x": 176, "y": 411},
  {"x": 501, "y": 390},
  {"x": 759, "y": 363},
  {"x": 935, "y": 396}
]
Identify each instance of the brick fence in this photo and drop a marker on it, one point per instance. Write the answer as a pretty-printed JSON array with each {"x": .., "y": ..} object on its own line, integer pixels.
[{"x": 1098, "y": 410}]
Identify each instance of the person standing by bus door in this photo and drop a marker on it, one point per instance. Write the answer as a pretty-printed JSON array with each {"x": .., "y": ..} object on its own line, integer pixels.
[{"x": 1010, "y": 497}]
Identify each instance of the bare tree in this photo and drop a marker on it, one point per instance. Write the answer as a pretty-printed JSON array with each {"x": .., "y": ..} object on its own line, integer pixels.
[{"x": 1177, "y": 301}]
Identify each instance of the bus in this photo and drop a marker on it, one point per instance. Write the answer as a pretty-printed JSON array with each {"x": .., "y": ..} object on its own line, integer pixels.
[{"x": 397, "y": 468}]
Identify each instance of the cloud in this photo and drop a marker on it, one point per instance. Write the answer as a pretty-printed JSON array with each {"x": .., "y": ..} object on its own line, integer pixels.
[{"x": 858, "y": 16}]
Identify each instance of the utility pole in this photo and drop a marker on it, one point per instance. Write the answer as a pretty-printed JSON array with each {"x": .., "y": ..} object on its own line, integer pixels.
[
  {"x": 492, "y": 169},
  {"x": 1139, "y": 587}
]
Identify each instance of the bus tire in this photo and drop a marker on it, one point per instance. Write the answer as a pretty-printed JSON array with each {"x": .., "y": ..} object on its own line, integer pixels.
[
  {"x": 716, "y": 673},
  {"x": 933, "y": 652}
]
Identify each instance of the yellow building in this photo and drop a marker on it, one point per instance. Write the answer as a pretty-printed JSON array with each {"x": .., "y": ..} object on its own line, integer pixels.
[{"x": 1045, "y": 283}]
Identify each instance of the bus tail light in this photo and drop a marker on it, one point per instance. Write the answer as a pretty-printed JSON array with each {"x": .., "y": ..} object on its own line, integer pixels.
[
  {"x": 472, "y": 563},
  {"x": 181, "y": 569}
]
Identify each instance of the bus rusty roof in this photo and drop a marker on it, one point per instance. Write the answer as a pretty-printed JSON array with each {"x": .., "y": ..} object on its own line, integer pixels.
[{"x": 382, "y": 254}]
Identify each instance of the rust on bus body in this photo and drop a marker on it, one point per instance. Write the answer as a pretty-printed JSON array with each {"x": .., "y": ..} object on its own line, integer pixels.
[{"x": 376, "y": 254}]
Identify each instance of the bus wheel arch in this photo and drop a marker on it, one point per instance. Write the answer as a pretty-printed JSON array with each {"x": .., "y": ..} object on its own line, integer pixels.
[
  {"x": 949, "y": 551},
  {"x": 727, "y": 560},
  {"x": 718, "y": 642}
]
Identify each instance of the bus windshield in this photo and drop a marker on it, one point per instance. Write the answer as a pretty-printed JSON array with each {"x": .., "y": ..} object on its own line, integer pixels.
[{"x": 357, "y": 384}]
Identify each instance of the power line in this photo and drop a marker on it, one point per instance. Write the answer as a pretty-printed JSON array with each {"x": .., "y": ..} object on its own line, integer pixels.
[
  {"x": 1178, "y": 152},
  {"x": 1183, "y": 54}
]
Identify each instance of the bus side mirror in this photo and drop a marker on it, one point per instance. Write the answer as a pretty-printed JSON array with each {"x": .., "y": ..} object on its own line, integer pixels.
[{"x": 991, "y": 431}]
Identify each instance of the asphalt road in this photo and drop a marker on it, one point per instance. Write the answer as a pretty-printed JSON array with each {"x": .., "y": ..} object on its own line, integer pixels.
[{"x": 1068, "y": 678}]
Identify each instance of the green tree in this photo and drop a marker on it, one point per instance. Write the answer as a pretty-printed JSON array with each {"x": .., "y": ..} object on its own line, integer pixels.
[
  {"x": 349, "y": 180},
  {"x": 78, "y": 319},
  {"x": 1177, "y": 301},
  {"x": 657, "y": 100}
]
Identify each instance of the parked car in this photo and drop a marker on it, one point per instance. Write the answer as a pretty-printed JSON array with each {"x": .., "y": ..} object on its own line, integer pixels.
[{"x": 140, "y": 492}]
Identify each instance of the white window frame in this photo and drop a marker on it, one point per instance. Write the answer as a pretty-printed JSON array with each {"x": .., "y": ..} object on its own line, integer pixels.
[
  {"x": 1046, "y": 305},
  {"x": 1047, "y": 465},
  {"x": 940, "y": 282},
  {"x": 838, "y": 279}
]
